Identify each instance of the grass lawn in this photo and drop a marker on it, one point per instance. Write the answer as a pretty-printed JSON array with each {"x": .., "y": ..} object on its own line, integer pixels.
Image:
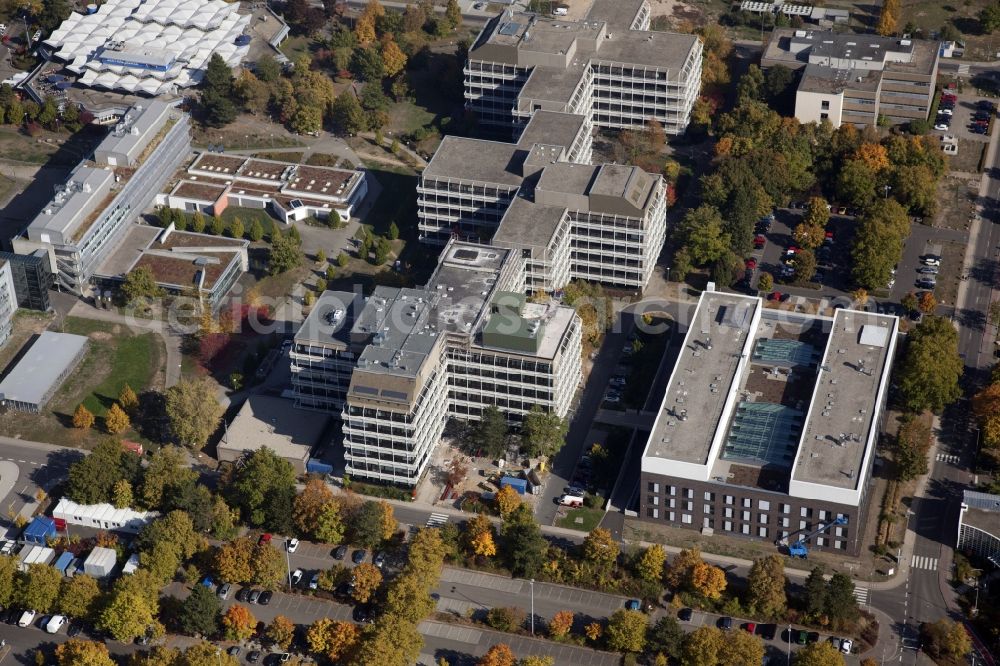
[
  {"x": 281, "y": 285},
  {"x": 407, "y": 117},
  {"x": 116, "y": 357},
  {"x": 293, "y": 157},
  {"x": 588, "y": 519},
  {"x": 293, "y": 47},
  {"x": 247, "y": 216}
]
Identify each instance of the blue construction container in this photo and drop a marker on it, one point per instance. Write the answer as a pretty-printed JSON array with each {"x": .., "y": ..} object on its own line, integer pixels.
[
  {"x": 520, "y": 485},
  {"x": 63, "y": 562},
  {"x": 314, "y": 466},
  {"x": 40, "y": 529}
]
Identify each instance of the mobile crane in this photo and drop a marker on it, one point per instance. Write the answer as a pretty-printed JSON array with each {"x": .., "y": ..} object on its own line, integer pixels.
[{"x": 799, "y": 548}]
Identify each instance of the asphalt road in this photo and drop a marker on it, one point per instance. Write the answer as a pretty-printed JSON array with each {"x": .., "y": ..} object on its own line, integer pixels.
[{"x": 26, "y": 467}]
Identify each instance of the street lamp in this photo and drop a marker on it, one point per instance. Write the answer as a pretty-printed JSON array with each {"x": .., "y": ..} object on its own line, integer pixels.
[
  {"x": 789, "y": 656},
  {"x": 288, "y": 566},
  {"x": 887, "y": 188},
  {"x": 531, "y": 584}
]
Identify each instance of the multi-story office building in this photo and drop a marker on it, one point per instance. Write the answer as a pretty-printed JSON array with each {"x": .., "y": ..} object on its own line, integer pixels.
[
  {"x": 768, "y": 426},
  {"x": 32, "y": 275},
  {"x": 89, "y": 215},
  {"x": 397, "y": 364},
  {"x": 608, "y": 67},
  {"x": 568, "y": 219},
  {"x": 8, "y": 301},
  {"x": 848, "y": 78}
]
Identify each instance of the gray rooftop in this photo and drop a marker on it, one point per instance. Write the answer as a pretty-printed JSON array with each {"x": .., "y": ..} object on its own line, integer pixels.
[
  {"x": 72, "y": 204},
  {"x": 844, "y": 405},
  {"x": 816, "y": 78},
  {"x": 568, "y": 177},
  {"x": 477, "y": 160},
  {"x": 795, "y": 48},
  {"x": 550, "y": 84},
  {"x": 330, "y": 321},
  {"x": 527, "y": 223},
  {"x": 42, "y": 368},
  {"x": 662, "y": 50},
  {"x": 139, "y": 125},
  {"x": 274, "y": 423},
  {"x": 618, "y": 14},
  {"x": 702, "y": 379},
  {"x": 983, "y": 511},
  {"x": 552, "y": 128}
]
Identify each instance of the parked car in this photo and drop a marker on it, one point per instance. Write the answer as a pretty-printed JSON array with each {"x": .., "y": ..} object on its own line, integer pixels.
[
  {"x": 253, "y": 596},
  {"x": 224, "y": 590},
  {"x": 945, "y": 111},
  {"x": 612, "y": 399},
  {"x": 846, "y": 646},
  {"x": 292, "y": 545},
  {"x": 768, "y": 631},
  {"x": 254, "y": 657},
  {"x": 234, "y": 651},
  {"x": 751, "y": 264},
  {"x": 928, "y": 270},
  {"x": 297, "y": 576},
  {"x": 75, "y": 629},
  {"x": 264, "y": 538},
  {"x": 363, "y": 614},
  {"x": 759, "y": 241},
  {"x": 359, "y": 556},
  {"x": 27, "y": 617},
  {"x": 340, "y": 552},
  {"x": 685, "y": 614},
  {"x": 926, "y": 283},
  {"x": 726, "y": 623},
  {"x": 978, "y": 129},
  {"x": 750, "y": 627},
  {"x": 379, "y": 559},
  {"x": 265, "y": 597},
  {"x": 314, "y": 583},
  {"x": 55, "y": 624},
  {"x": 618, "y": 380},
  {"x": 930, "y": 260},
  {"x": 802, "y": 637},
  {"x": 243, "y": 594},
  {"x": 633, "y": 604},
  {"x": 943, "y": 127}
]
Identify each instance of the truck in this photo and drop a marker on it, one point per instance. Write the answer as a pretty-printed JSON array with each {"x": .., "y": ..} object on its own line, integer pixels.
[{"x": 571, "y": 500}]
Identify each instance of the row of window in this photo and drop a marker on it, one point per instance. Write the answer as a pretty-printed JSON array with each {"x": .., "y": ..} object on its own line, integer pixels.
[{"x": 745, "y": 529}]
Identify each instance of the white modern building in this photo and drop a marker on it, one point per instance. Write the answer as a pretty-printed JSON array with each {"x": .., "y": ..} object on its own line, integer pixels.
[
  {"x": 979, "y": 526},
  {"x": 291, "y": 191},
  {"x": 102, "y": 516},
  {"x": 399, "y": 363},
  {"x": 89, "y": 215},
  {"x": 8, "y": 301},
  {"x": 608, "y": 67},
  {"x": 569, "y": 219},
  {"x": 150, "y": 47},
  {"x": 769, "y": 423}
]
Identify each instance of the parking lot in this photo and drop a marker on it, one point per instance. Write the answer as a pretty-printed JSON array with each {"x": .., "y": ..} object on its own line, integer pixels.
[{"x": 962, "y": 116}]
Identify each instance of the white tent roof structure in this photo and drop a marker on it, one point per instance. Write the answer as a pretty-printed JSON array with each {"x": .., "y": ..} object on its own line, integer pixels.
[{"x": 152, "y": 47}]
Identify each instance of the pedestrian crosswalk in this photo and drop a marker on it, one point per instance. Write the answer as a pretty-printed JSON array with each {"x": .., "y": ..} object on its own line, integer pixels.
[
  {"x": 437, "y": 519},
  {"x": 924, "y": 562},
  {"x": 948, "y": 458},
  {"x": 963, "y": 69},
  {"x": 861, "y": 594}
]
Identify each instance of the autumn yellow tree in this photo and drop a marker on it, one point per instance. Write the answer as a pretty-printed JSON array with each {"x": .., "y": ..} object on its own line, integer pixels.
[
  {"x": 679, "y": 570},
  {"x": 76, "y": 652},
  {"x": 873, "y": 155},
  {"x": 479, "y": 536},
  {"x": 281, "y": 631},
  {"x": 594, "y": 630},
  {"x": 116, "y": 420},
  {"x": 127, "y": 399},
  {"x": 233, "y": 560},
  {"x": 600, "y": 548},
  {"x": 364, "y": 29},
  {"x": 888, "y": 20},
  {"x": 483, "y": 544},
  {"x": 927, "y": 303},
  {"x": 393, "y": 58},
  {"x": 708, "y": 581},
  {"x": 309, "y": 504},
  {"x": 986, "y": 407},
  {"x": 498, "y": 655},
  {"x": 342, "y": 639},
  {"x": 507, "y": 500},
  {"x": 83, "y": 418},
  {"x": 561, "y": 624},
  {"x": 367, "y": 578},
  {"x": 651, "y": 563},
  {"x": 238, "y": 623}
]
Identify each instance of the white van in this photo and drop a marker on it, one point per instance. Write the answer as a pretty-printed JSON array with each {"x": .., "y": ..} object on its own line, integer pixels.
[
  {"x": 571, "y": 500},
  {"x": 560, "y": 11}
]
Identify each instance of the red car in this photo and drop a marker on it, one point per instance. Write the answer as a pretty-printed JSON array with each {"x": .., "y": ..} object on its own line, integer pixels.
[
  {"x": 790, "y": 251},
  {"x": 759, "y": 241},
  {"x": 264, "y": 538},
  {"x": 751, "y": 264},
  {"x": 750, "y": 627}
]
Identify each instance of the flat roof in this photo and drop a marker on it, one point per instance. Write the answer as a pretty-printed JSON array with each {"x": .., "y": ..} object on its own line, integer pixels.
[
  {"x": 70, "y": 206},
  {"x": 216, "y": 163},
  {"x": 330, "y": 321},
  {"x": 817, "y": 78},
  {"x": 477, "y": 160},
  {"x": 274, "y": 423},
  {"x": 982, "y": 511},
  {"x": 42, "y": 368},
  {"x": 552, "y": 128},
  {"x": 837, "y": 440},
  {"x": 551, "y": 84},
  {"x": 662, "y": 50},
  {"x": 704, "y": 379},
  {"x": 526, "y": 223},
  {"x": 568, "y": 177},
  {"x": 136, "y": 129}
]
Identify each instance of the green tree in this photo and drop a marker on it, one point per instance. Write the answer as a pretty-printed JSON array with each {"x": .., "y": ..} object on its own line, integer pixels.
[
  {"x": 329, "y": 526},
  {"x": 702, "y": 234},
  {"x": 193, "y": 410},
  {"x": 650, "y": 565},
  {"x": 453, "y": 13},
  {"x": 491, "y": 433},
  {"x": 841, "y": 606},
  {"x": 77, "y": 652},
  {"x": 665, "y": 637},
  {"x": 989, "y": 18},
  {"x": 765, "y": 593},
  {"x": 198, "y": 222},
  {"x": 929, "y": 374},
  {"x": 267, "y": 566},
  {"x": 626, "y": 631},
  {"x": 542, "y": 433},
  {"x": 600, "y": 548},
  {"x": 382, "y": 249},
  {"x": 915, "y": 187},
  {"x": 682, "y": 265},
  {"x": 129, "y": 611},
  {"x": 264, "y": 478},
  {"x": 121, "y": 494},
  {"x": 741, "y": 648},
  {"x": 78, "y": 597},
  {"x": 804, "y": 265},
  {"x": 217, "y": 93},
  {"x": 765, "y": 282},
  {"x": 8, "y": 574},
  {"x": 217, "y": 227},
  {"x": 855, "y": 183},
  {"x": 199, "y": 612},
  {"x": 913, "y": 441},
  {"x": 92, "y": 479},
  {"x": 750, "y": 85},
  {"x": 342, "y": 259},
  {"x": 256, "y": 231},
  {"x": 38, "y": 588},
  {"x": 523, "y": 543},
  {"x": 815, "y": 592},
  {"x": 818, "y": 654},
  {"x": 236, "y": 229},
  {"x": 166, "y": 471},
  {"x": 140, "y": 285},
  {"x": 347, "y": 113},
  {"x": 367, "y": 525},
  {"x": 284, "y": 256},
  {"x": 877, "y": 248},
  {"x": 393, "y": 231}
]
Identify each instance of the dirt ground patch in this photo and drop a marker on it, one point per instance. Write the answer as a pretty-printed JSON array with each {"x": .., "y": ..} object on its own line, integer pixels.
[
  {"x": 27, "y": 323},
  {"x": 956, "y": 203}
]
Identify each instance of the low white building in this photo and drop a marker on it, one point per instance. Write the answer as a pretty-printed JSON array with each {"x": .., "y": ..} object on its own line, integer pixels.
[
  {"x": 102, "y": 516},
  {"x": 101, "y": 562}
]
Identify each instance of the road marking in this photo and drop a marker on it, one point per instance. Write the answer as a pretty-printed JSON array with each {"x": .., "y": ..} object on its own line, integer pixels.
[
  {"x": 437, "y": 519},
  {"x": 924, "y": 562},
  {"x": 861, "y": 594},
  {"x": 944, "y": 457}
]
